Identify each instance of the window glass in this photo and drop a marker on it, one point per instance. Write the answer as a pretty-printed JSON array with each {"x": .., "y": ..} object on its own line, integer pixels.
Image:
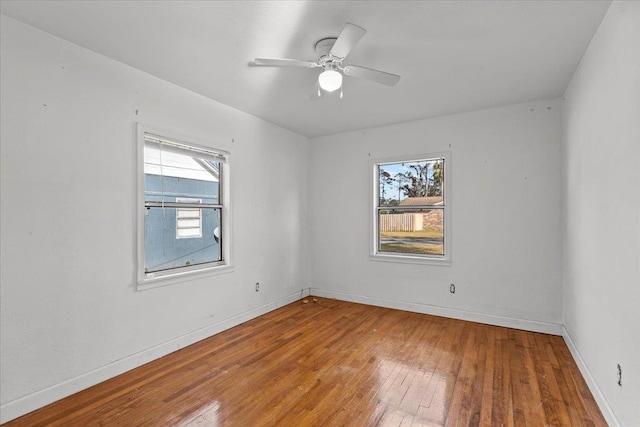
[
  {"x": 412, "y": 231},
  {"x": 164, "y": 250},
  {"x": 411, "y": 183},
  {"x": 183, "y": 209}
]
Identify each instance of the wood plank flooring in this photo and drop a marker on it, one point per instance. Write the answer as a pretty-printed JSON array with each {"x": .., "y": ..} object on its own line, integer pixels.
[{"x": 334, "y": 363}]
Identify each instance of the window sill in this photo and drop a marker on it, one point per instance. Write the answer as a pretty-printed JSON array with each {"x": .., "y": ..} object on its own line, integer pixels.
[
  {"x": 408, "y": 259},
  {"x": 161, "y": 280}
]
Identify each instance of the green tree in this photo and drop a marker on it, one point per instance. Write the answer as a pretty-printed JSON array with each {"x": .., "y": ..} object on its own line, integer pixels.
[
  {"x": 385, "y": 179},
  {"x": 416, "y": 178},
  {"x": 437, "y": 179}
]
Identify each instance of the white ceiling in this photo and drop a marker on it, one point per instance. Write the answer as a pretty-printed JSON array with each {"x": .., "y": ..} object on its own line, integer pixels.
[{"x": 453, "y": 56}]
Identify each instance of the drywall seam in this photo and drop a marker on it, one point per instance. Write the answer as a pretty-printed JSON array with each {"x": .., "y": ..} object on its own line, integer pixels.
[
  {"x": 31, "y": 402},
  {"x": 606, "y": 410},
  {"x": 489, "y": 319}
]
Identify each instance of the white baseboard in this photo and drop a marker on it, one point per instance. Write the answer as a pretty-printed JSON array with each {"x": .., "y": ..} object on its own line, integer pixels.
[
  {"x": 490, "y": 319},
  {"x": 31, "y": 402},
  {"x": 606, "y": 410}
]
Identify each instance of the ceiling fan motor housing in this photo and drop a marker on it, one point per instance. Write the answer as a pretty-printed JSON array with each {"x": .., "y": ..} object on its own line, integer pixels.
[{"x": 323, "y": 48}]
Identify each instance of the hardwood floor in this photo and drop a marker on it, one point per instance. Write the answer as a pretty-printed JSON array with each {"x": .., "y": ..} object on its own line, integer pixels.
[{"x": 336, "y": 363}]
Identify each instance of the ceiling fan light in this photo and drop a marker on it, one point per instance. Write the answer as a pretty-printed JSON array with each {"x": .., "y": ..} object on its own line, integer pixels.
[{"x": 330, "y": 80}]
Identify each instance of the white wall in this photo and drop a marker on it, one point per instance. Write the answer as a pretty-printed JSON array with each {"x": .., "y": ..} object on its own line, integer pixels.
[
  {"x": 506, "y": 180},
  {"x": 601, "y": 126},
  {"x": 70, "y": 315}
]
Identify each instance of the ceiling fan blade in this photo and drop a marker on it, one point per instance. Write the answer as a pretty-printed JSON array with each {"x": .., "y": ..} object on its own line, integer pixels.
[
  {"x": 274, "y": 62},
  {"x": 350, "y": 35},
  {"x": 369, "y": 74}
]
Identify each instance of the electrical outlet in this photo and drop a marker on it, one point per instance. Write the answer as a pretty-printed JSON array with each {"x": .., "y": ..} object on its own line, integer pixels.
[
  {"x": 257, "y": 286},
  {"x": 452, "y": 288},
  {"x": 619, "y": 375}
]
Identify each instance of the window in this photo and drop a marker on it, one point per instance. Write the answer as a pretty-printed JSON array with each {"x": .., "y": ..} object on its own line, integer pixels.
[
  {"x": 188, "y": 220},
  {"x": 183, "y": 225},
  {"x": 411, "y": 214}
]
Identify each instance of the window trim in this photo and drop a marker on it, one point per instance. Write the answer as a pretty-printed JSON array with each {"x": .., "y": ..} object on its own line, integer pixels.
[
  {"x": 163, "y": 278},
  {"x": 375, "y": 254}
]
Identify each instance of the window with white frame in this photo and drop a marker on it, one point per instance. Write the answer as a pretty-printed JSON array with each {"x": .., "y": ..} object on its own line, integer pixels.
[
  {"x": 184, "y": 207},
  {"x": 411, "y": 209}
]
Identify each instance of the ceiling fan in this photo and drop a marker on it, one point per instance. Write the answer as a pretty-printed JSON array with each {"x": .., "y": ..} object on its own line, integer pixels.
[{"x": 331, "y": 52}]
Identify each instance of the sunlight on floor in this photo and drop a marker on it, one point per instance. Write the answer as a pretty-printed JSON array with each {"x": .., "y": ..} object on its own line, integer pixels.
[
  {"x": 417, "y": 395},
  {"x": 208, "y": 416}
]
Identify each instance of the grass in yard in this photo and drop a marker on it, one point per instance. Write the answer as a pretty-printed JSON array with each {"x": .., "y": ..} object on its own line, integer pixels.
[
  {"x": 412, "y": 249},
  {"x": 421, "y": 233}
]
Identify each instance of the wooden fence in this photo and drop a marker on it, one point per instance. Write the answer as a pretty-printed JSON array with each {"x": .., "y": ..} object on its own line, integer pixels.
[{"x": 401, "y": 222}]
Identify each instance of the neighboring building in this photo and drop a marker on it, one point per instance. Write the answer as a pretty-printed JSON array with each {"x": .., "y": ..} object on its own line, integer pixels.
[
  {"x": 419, "y": 201},
  {"x": 183, "y": 236},
  {"x": 424, "y": 220}
]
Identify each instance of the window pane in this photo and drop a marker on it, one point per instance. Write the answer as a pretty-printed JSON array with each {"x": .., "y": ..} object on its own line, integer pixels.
[
  {"x": 164, "y": 251},
  {"x": 179, "y": 176},
  {"x": 418, "y": 182},
  {"x": 418, "y": 232}
]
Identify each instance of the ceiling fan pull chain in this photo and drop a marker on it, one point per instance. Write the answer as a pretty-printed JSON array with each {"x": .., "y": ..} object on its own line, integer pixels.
[{"x": 340, "y": 92}]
